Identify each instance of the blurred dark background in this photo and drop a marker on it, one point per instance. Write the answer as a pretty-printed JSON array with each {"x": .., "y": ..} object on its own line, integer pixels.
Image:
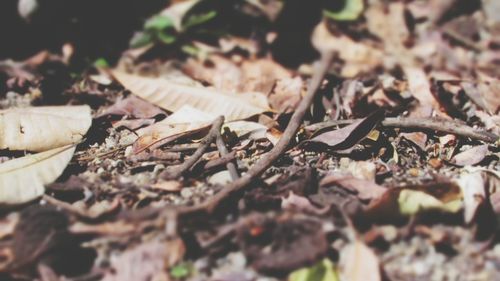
[{"x": 95, "y": 27}]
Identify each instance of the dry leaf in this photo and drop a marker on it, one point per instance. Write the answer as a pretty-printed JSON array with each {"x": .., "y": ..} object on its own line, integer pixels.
[
  {"x": 184, "y": 122},
  {"x": 242, "y": 128},
  {"x": 474, "y": 193},
  {"x": 43, "y": 128},
  {"x": 358, "y": 57},
  {"x": 420, "y": 87},
  {"x": 486, "y": 95},
  {"x": 300, "y": 203},
  {"x": 359, "y": 263},
  {"x": 261, "y": 75},
  {"x": 258, "y": 75},
  {"x": 287, "y": 94},
  {"x": 218, "y": 71},
  {"x": 146, "y": 262},
  {"x": 345, "y": 138},
  {"x": 172, "y": 186},
  {"x": 412, "y": 202},
  {"x": 390, "y": 26},
  {"x": 23, "y": 179},
  {"x": 172, "y": 97},
  {"x": 471, "y": 156},
  {"x": 442, "y": 195},
  {"x": 133, "y": 107},
  {"x": 365, "y": 190}
]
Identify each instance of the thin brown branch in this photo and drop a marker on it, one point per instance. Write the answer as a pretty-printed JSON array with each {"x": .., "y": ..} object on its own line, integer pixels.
[
  {"x": 439, "y": 125},
  {"x": 203, "y": 146},
  {"x": 231, "y": 166},
  {"x": 265, "y": 162}
]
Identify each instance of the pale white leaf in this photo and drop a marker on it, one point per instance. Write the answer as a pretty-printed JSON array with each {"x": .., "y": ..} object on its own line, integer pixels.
[
  {"x": 172, "y": 96},
  {"x": 474, "y": 193},
  {"x": 23, "y": 179},
  {"x": 185, "y": 121},
  {"x": 43, "y": 128},
  {"x": 359, "y": 263}
]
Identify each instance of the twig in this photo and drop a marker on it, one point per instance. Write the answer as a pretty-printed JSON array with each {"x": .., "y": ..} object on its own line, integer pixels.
[
  {"x": 184, "y": 147},
  {"x": 440, "y": 125},
  {"x": 114, "y": 150},
  {"x": 265, "y": 162},
  {"x": 231, "y": 166},
  {"x": 203, "y": 146}
]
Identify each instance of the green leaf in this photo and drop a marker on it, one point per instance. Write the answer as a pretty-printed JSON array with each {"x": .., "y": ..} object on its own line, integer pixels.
[
  {"x": 101, "y": 63},
  {"x": 413, "y": 201},
  {"x": 322, "y": 271},
  {"x": 190, "y": 50},
  {"x": 351, "y": 11},
  {"x": 158, "y": 23},
  {"x": 180, "y": 271},
  {"x": 141, "y": 39},
  {"x": 165, "y": 37},
  {"x": 199, "y": 19}
]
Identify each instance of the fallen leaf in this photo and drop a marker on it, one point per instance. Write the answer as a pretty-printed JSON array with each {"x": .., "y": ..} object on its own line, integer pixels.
[
  {"x": 172, "y": 186},
  {"x": 419, "y": 138},
  {"x": 26, "y": 8},
  {"x": 41, "y": 237},
  {"x": 23, "y": 179},
  {"x": 322, "y": 271},
  {"x": 172, "y": 97},
  {"x": 286, "y": 94},
  {"x": 358, "y": 57},
  {"x": 134, "y": 108},
  {"x": 412, "y": 202},
  {"x": 474, "y": 193},
  {"x": 7, "y": 225},
  {"x": 397, "y": 202},
  {"x": 359, "y": 263},
  {"x": 389, "y": 24},
  {"x": 420, "y": 87},
  {"x": 470, "y": 156},
  {"x": 107, "y": 228},
  {"x": 364, "y": 189},
  {"x": 351, "y": 11},
  {"x": 251, "y": 76},
  {"x": 486, "y": 94},
  {"x": 299, "y": 203},
  {"x": 254, "y": 130},
  {"x": 276, "y": 247},
  {"x": 146, "y": 262},
  {"x": 43, "y": 128},
  {"x": 271, "y": 9},
  {"x": 363, "y": 170},
  {"x": 218, "y": 71},
  {"x": 220, "y": 178},
  {"x": 348, "y": 136},
  {"x": 261, "y": 75},
  {"x": 182, "y": 270},
  {"x": 491, "y": 8},
  {"x": 184, "y": 122}
]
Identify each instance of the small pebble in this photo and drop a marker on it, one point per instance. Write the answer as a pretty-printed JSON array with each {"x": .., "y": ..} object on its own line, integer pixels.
[{"x": 186, "y": 192}]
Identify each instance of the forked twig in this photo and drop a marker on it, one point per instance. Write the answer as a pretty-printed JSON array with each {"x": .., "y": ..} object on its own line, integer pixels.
[
  {"x": 265, "y": 162},
  {"x": 203, "y": 146}
]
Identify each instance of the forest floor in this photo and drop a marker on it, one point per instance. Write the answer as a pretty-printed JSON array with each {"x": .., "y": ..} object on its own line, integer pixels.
[{"x": 259, "y": 140}]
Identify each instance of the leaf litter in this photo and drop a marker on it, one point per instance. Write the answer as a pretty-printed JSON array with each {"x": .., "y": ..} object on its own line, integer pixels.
[{"x": 387, "y": 171}]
